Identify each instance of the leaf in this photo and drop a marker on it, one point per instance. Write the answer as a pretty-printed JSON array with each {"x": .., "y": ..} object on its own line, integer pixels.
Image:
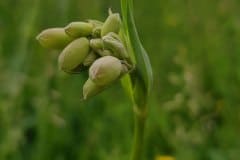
[{"x": 142, "y": 77}]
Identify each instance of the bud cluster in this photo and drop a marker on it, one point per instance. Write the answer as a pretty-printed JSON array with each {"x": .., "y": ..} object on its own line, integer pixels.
[{"x": 92, "y": 45}]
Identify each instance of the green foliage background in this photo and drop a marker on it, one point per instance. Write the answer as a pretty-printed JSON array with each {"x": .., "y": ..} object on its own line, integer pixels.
[{"x": 194, "y": 107}]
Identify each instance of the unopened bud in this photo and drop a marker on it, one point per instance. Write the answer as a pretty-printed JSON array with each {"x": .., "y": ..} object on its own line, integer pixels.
[
  {"x": 95, "y": 23},
  {"x": 74, "y": 54},
  {"x": 105, "y": 53},
  {"x": 90, "y": 89},
  {"x": 91, "y": 57},
  {"x": 96, "y": 33},
  {"x": 114, "y": 44},
  {"x": 79, "y": 29},
  {"x": 115, "y": 36},
  {"x": 54, "y": 38},
  {"x": 96, "y": 44},
  {"x": 97, "y": 27},
  {"x": 105, "y": 70},
  {"x": 112, "y": 24}
]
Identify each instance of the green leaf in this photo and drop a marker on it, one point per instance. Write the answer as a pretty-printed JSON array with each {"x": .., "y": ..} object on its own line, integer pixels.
[{"x": 142, "y": 77}]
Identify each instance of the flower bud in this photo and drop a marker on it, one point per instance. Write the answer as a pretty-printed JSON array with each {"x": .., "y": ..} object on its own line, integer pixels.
[
  {"x": 114, "y": 44},
  {"x": 90, "y": 89},
  {"x": 96, "y": 33},
  {"x": 79, "y": 29},
  {"x": 91, "y": 57},
  {"x": 95, "y": 23},
  {"x": 54, "y": 38},
  {"x": 96, "y": 44},
  {"x": 115, "y": 36},
  {"x": 74, "y": 54},
  {"x": 97, "y": 27},
  {"x": 105, "y": 70},
  {"x": 104, "y": 52},
  {"x": 112, "y": 24}
]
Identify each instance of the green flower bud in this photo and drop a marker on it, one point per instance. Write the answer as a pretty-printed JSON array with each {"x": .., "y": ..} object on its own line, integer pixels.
[
  {"x": 105, "y": 53},
  {"x": 96, "y": 44},
  {"x": 54, "y": 38},
  {"x": 115, "y": 36},
  {"x": 74, "y": 54},
  {"x": 114, "y": 44},
  {"x": 105, "y": 70},
  {"x": 97, "y": 27},
  {"x": 79, "y": 29},
  {"x": 91, "y": 57},
  {"x": 97, "y": 32},
  {"x": 95, "y": 23},
  {"x": 112, "y": 24},
  {"x": 90, "y": 89}
]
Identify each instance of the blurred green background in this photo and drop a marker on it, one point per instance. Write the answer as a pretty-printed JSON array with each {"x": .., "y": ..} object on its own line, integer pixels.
[{"x": 194, "y": 107}]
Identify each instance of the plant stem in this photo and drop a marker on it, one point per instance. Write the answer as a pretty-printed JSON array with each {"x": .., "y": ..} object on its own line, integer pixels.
[
  {"x": 139, "y": 127},
  {"x": 140, "y": 80}
]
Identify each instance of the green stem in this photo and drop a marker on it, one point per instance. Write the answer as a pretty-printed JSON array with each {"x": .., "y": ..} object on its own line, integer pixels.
[
  {"x": 140, "y": 79},
  {"x": 139, "y": 127}
]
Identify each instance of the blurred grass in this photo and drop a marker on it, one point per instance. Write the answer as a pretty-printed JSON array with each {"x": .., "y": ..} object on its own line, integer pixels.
[{"x": 194, "y": 108}]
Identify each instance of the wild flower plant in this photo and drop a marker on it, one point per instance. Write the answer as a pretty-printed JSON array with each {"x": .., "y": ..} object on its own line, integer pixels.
[{"x": 109, "y": 51}]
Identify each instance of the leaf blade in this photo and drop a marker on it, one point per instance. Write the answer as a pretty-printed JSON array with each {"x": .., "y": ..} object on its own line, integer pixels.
[{"x": 142, "y": 77}]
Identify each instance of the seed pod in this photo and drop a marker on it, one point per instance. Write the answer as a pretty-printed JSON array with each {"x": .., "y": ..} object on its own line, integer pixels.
[
  {"x": 79, "y": 29},
  {"x": 105, "y": 70},
  {"x": 91, "y": 57},
  {"x": 112, "y": 24},
  {"x": 74, "y": 54},
  {"x": 54, "y": 38},
  {"x": 90, "y": 89},
  {"x": 115, "y": 45}
]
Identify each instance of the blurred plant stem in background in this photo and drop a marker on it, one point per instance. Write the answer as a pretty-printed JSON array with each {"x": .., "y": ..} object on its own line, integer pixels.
[{"x": 17, "y": 40}]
